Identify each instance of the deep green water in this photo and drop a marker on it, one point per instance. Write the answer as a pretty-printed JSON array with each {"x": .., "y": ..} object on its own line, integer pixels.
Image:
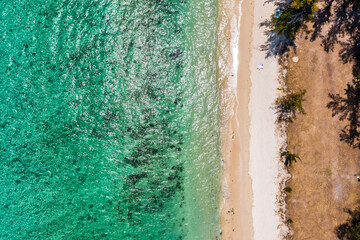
[{"x": 109, "y": 119}]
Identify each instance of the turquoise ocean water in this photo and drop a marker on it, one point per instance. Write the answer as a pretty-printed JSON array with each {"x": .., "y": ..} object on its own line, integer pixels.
[{"x": 109, "y": 119}]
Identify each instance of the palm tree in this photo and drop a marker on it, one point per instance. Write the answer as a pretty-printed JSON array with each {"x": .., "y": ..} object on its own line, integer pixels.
[{"x": 290, "y": 158}]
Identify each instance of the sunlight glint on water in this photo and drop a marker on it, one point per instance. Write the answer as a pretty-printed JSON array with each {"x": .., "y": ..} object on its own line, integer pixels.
[{"x": 110, "y": 120}]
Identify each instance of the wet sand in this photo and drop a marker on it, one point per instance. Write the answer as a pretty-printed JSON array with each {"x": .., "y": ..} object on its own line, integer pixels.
[
  {"x": 252, "y": 171},
  {"x": 236, "y": 216}
]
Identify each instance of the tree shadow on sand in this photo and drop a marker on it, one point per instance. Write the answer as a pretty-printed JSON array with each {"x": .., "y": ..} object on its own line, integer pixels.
[
  {"x": 276, "y": 44},
  {"x": 350, "y": 229},
  {"x": 282, "y": 28},
  {"x": 347, "y": 108},
  {"x": 338, "y": 23},
  {"x": 342, "y": 20}
]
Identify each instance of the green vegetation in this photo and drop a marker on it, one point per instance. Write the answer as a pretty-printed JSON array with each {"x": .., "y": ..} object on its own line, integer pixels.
[
  {"x": 328, "y": 172},
  {"x": 341, "y": 22},
  {"x": 290, "y": 158},
  {"x": 350, "y": 229},
  {"x": 291, "y": 16},
  {"x": 288, "y": 105},
  {"x": 357, "y": 82}
]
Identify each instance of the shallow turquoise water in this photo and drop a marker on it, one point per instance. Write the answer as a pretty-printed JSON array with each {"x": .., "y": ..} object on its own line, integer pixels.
[{"x": 109, "y": 120}]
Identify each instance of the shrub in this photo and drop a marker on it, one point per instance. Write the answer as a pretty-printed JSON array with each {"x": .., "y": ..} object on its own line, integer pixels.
[
  {"x": 290, "y": 221},
  {"x": 288, "y": 105}
]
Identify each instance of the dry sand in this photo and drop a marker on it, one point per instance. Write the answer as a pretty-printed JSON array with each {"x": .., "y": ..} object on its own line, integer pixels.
[
  {"x": 266, "y": 170},
  {"x": 249, "y": 145}
]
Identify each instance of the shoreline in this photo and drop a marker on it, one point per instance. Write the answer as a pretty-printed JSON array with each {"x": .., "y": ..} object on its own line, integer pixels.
[
  {"x": 236, "y": 23},
  {"x": 252, "y": 199}
]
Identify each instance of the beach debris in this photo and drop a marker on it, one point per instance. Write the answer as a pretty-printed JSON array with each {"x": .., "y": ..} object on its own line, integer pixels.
[
  {"x": 357, "y": 175},
  {"x": 278, "y": 13},
  {"x": 295, "y": 59},
  {"x": 260, "y": 66}
]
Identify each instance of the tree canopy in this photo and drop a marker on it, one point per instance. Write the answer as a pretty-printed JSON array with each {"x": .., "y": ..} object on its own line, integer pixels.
[{"x": 292, "y": 15}]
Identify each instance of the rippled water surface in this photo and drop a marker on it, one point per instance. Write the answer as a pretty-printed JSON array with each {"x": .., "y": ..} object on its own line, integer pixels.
[{"x": 109, "y": 119}]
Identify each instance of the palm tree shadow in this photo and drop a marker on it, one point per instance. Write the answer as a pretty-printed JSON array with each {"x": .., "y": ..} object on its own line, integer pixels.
[{"x": 347, "y": 108}]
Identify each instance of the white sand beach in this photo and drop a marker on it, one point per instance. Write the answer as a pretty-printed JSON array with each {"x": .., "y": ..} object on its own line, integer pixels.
[{"x": 250, "y": 145}]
